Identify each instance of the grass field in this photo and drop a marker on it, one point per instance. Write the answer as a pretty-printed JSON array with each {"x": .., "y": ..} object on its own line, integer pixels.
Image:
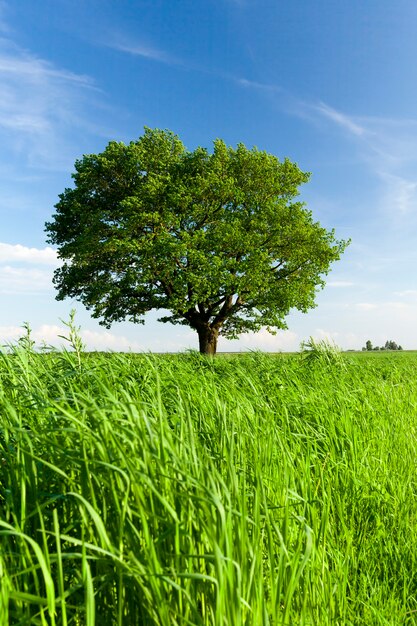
[{"x": 175, "y": 490}]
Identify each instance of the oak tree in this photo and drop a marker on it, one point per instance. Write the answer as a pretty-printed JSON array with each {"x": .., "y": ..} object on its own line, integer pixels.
[{"x": 216, "y": 240}]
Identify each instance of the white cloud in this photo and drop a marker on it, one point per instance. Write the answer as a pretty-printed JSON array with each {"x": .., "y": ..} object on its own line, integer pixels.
[
  {"x": 253, "y": 84},
  {"x": 150, "y": 52},
  {"x": 42, "y": 106},
  {"x": 10, "y": 333},
  {"x": 341, "y": 119},
  {"x": 366, "y": 306},
  {"x": 14, "y": 280},
  {"x": 388, "y": 144},
  {"x": 398, "y": 306},
  {"x": 19, "y": 63},
  {"x": 52, "y": 334},
  {"x": 320, "y": 334},
  {"x": 350, "y": 341},
  {"x": 389, "y": 308},
  {"x": 389, "y": 149},
  {"x": 283, "y": 341},
  {"x": 44, "y": 256},
  {"x": 105, "y": 340},
  {"x": 390, "y": 320},
  {"x": 407, "y": 293},
  {"x": 345, "y": 340},
  {"x": 23, "y": 270},
  {"x": 146, "y": 51},
  {"x": 49, "y": 334},
  {"x": 400, "y": 193}
]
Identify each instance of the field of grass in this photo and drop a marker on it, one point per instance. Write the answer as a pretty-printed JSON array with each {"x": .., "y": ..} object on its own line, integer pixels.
[{"x": 176, "y": 490}]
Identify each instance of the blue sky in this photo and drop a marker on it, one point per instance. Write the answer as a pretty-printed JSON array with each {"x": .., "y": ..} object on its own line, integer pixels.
[{"x": 332, "y": 85}]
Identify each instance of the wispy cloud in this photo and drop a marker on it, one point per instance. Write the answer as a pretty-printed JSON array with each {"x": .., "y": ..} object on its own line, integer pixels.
[
  {"x": 42, "y": 107},
  {"x": 341, "y": 119},
  {"x": 151, "y": 53},
  {"x": 400, "y": 193},
  {"x": 146, "y": 51},
  {"x": 18, "y": 62},
  {"x": 387, "y": 147},
  {"x": 253, "y": 84}
]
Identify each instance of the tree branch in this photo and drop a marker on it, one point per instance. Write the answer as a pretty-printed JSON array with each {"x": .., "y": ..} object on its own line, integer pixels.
[
  {"x": 166, "y": 287},
  {"x": 216, "y": 304},
  {"x": 290, "y": 272},
  {"x": 224, "y": 312},
  {"x": 203, "y": 221},
  {"x": 280, "y": 264}
]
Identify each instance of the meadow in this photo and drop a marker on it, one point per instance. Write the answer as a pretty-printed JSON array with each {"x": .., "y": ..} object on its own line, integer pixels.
[{"x": 180, "y": 490}]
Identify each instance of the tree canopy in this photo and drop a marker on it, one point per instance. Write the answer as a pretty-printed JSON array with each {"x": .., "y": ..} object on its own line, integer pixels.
[
  {"x": 217, "y": 240},
  {"x": 389, "y": 345}
]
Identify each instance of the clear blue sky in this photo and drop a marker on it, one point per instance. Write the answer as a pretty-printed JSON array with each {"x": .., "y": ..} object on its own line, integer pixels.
[{"x": 330, "y": 84}]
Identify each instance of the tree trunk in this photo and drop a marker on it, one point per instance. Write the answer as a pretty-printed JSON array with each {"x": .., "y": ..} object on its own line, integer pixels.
[{"x": 207, "y": 337}]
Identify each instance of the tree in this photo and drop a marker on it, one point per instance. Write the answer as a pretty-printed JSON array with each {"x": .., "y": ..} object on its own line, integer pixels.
[
  {"x": 216, "y": 240},
  {"x": 368, "y": 345},
  {"x": 392, "y": 345}
]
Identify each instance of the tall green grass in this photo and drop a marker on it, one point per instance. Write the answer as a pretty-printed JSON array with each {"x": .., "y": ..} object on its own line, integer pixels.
[{"x": 176, "y": 490}]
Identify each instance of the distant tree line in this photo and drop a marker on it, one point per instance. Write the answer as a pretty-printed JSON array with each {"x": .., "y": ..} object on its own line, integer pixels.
[{"x": 389, "y": 345}]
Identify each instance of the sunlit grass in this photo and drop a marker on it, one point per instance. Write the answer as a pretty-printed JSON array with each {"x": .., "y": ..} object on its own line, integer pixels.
[{"x": 176, "y": 490}]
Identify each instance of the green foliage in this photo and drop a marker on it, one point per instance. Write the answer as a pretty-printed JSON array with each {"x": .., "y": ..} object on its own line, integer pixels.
[
  {"x": 175, "y": 490},
  {"x": 73, "y": 338},
  {"x": 25, "y": 341},
  {"x": 217, "y": 239},
  {"x": 392, "y": 345},
  {"x": 321, "y": 352},
  {"x": 389, "y": 345}
]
